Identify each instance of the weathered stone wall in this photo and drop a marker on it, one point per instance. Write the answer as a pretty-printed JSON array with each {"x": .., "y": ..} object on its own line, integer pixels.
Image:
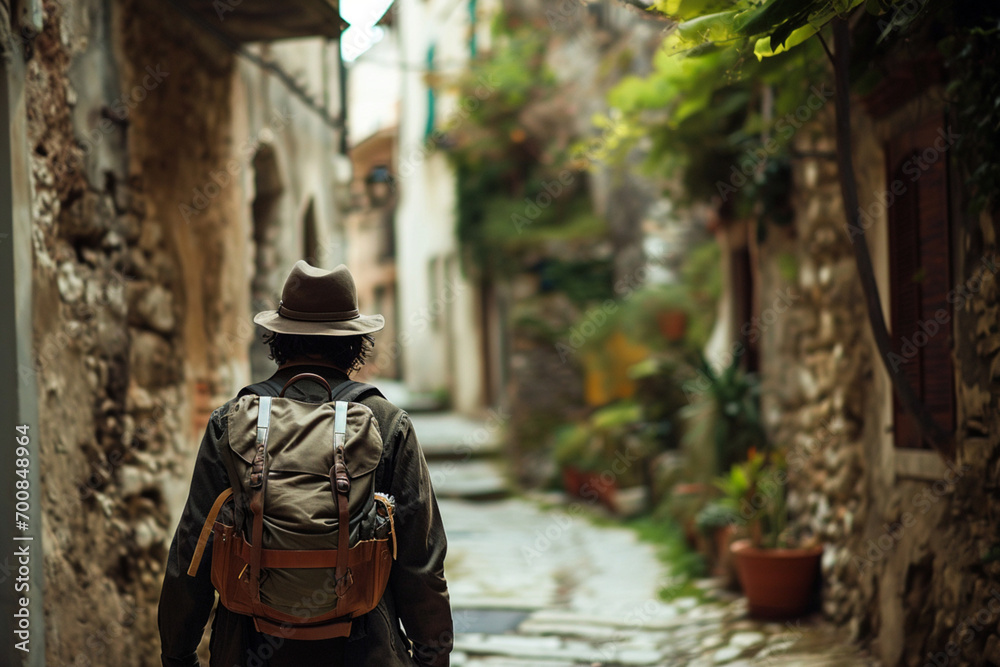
[
  {"x": 127, "y": 112},
  {"x": 905, "y": 564},
  {"x": 816, "y": 363}
]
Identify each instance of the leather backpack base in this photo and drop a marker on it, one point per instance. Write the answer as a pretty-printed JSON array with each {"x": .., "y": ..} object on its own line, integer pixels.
[{"x": 369, "y": 561}]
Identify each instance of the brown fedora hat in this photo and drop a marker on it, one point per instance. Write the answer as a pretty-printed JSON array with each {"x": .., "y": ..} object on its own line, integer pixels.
[{"x": 315, "y": 302}]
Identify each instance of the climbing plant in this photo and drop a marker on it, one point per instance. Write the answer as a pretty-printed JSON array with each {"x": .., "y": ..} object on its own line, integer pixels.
[
  {"x": 973, "y": 62},
  {"x": 768, "y": 28}
]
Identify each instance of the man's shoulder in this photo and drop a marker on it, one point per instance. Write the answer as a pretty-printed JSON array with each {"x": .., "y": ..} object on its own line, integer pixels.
[
  {"x": 218, "y": 420},
  {"x": 388, "y": 414}
]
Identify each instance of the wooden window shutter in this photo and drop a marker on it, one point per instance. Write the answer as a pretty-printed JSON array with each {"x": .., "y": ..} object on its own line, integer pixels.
[
  {"x": 938, "y": 376},
  {"x": 904, "y": 266},
  {"x": 920, "y": 276}
]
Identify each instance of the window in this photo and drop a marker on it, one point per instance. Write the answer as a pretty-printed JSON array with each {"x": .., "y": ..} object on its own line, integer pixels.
[{"x": 916, "y": 199}]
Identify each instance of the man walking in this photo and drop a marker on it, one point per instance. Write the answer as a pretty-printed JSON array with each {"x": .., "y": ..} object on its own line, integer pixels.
[{"x": 317, "y": 329}]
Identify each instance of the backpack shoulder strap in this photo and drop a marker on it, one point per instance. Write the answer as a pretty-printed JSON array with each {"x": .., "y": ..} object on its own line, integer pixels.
[
  {"x": 264, "y": 388},
  {"x": 206, "y": 531},
  {"x": 353, "y": 391}
]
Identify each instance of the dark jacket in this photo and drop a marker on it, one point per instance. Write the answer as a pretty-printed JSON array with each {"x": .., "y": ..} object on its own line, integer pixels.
[{"x": 417, "y": 593}]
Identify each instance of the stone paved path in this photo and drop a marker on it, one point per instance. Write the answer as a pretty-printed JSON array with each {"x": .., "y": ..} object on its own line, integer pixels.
[
  {"x": 545, "y": 588},
  {"x": 588, "y": 596}
]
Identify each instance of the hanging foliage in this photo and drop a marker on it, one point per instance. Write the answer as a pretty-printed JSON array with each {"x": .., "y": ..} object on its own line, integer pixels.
[
  {"x": 974, "y": 90},
  {"x": 521, "y": 184},
  {"x": 713, "y": 119}
]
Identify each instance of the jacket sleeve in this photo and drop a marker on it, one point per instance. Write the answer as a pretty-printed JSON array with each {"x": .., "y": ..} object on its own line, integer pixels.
[
  {"x": 186, "y": 601},
  {"x": 417, "y": 579}
]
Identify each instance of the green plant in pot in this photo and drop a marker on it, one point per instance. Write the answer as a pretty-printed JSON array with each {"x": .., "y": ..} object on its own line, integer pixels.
[
  {"x": 659, "y": 391},
  {"x": 579, "y": 457},
  {"x": 722, "y": 421},
  {"x": 596, "y": 457},
  {"x": 777, "y": 577}
]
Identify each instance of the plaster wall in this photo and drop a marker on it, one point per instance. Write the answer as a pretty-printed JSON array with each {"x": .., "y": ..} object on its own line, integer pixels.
[{"x": 294, "y": 155}]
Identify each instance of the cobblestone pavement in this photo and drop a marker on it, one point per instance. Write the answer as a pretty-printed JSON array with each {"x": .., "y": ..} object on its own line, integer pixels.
[{"x": 545, "y": 588}]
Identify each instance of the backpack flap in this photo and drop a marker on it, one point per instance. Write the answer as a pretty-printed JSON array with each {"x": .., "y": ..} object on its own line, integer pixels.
[{"x": 300, "y": 454}]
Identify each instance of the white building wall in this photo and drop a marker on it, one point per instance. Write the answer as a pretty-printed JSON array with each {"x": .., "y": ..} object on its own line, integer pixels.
[
  {"x": 436, "y": 303},
  {"x": 307, "y": 146},
  {"x": 373, "y": 89},
  {"x": 439, "y": 310}
]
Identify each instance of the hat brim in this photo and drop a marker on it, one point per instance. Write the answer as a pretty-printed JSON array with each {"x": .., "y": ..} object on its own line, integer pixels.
[{"x": 363, "y": 324}]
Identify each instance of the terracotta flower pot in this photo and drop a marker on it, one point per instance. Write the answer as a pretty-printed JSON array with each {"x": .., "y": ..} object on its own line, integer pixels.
[
  {"x": 778, "y": 583},
  {"x": 691, "y": 489},
  {"x": 571, "y": 480},
  {"x": 673, "y": 324},
  {"x": 590, "y": 486}
]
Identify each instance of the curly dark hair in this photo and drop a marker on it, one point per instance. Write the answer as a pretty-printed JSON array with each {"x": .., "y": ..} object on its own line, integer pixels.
[{"x": 348, "y": 353}]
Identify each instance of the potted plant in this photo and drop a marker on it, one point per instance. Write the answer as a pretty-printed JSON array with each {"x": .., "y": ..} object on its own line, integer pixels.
[
  {"x": 778, "y": 579},
  {"x": 578, "y": 459},
  {"x": 722, "y": 420},
  {"x": 596, "y": 457},
  {"x": 673, "y": 324}
]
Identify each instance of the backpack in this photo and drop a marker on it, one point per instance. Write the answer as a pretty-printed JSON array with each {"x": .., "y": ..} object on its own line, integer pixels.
[{"x": 305, "y": 471}]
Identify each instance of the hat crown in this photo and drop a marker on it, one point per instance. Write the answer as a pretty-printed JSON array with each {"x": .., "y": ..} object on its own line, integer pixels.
[
  {"x": 316, "y": 302},
  {"x": 311, "y": 294}
]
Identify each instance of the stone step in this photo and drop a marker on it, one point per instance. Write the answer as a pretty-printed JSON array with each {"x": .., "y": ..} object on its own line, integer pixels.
[
  {"x": 468, "y": 480},
  {"x": 589, "y": 631},
  {"x": 655, "y": 616},
  {"x": 411, "y": 401},
  {"x": 495, "y": 621},
  {"x": 845, "y": 659},
  {"x": 452, "y": 436}
]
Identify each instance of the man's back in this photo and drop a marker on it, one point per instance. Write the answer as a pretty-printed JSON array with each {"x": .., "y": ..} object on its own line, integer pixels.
[{"x": 417, "y": 591}]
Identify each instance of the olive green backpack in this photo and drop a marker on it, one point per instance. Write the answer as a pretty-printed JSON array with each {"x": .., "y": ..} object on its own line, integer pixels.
[{"x": 301, "y": 473}]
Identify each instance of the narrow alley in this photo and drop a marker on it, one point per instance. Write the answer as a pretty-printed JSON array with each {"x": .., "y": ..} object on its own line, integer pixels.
[{"x": 694, "y": 305}]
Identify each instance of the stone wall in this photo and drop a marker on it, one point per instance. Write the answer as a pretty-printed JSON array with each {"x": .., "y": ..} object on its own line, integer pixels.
[
  {"x": 816, "y": 363},
  {"x": 904, "y": 565},
  {"x": 126, "y": 111},
  {"x": 545, "y": 387}
]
